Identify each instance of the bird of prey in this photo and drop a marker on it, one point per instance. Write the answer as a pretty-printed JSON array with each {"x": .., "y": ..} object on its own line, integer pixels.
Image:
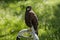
[{"x": 31, "y": 19}]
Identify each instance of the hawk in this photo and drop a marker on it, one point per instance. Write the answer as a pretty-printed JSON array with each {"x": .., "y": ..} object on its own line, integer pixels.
[{"x": 31, "y": 19}]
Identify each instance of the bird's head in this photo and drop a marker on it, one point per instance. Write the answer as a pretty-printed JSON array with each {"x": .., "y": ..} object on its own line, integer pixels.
[{"x": 28, "y": 8}]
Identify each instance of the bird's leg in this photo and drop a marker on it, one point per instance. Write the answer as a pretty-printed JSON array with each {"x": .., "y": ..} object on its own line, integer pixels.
[{"x": 34, "y": 34}]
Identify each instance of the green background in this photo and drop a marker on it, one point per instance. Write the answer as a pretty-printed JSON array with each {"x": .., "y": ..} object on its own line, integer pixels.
[{"x": 12, "y": 13}]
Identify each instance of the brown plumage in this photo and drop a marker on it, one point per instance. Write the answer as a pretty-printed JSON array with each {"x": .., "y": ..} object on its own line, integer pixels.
[{"x": 31, "y": 19}]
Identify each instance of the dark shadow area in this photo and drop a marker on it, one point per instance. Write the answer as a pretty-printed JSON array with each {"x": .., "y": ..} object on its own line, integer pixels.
[
  {"x": 57, "y": 11},
  {"x": 9, "y": 1}
]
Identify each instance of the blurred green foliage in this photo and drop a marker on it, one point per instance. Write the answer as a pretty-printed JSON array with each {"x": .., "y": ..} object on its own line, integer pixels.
[{"x": 12, "y": 18}]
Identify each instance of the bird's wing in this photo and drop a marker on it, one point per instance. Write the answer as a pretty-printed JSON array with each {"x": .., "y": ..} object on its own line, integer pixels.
[
  {"x": 34, "y": 18},
  {"x": 34, "y": 21}
]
